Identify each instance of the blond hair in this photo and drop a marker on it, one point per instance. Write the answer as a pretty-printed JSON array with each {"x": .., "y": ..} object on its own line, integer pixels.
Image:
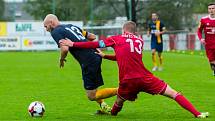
[{"x": 130, "y": 26}]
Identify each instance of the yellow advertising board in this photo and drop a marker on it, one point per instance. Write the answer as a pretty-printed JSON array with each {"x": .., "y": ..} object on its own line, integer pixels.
[{"x": 3, "y": 28}]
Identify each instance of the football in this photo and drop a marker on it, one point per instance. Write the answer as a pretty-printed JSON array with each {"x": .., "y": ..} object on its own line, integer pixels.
[{"x": 36, "y": 109}]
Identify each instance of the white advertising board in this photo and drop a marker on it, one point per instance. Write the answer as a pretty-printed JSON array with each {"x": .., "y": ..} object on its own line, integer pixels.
[
  {"x": 10, "y": 43},
  {"x": 25, "y": 28},
  {"x": 38, "y": 43},
  {"x": 33, "y": 28}
]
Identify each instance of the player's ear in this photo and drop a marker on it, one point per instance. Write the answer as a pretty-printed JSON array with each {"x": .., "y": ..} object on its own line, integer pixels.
[
  {"x": 123, "y": 30},
  {"x": 51, "y": 22}
]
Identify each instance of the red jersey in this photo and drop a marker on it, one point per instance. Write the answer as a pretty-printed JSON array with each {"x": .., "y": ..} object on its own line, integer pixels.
[
  {"x": 208, "y": 25},
  {"x": 133, "y": 76},
  {"x": 128, "y": 49}
]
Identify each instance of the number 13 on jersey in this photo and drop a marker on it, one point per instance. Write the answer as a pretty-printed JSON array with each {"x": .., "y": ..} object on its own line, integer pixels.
[{"x": 137, "y": 49}]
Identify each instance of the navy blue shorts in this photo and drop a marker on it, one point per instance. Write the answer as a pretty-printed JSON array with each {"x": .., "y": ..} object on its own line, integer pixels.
[
  {"x": 91, "y": 74},
  {"x": 157, "y": 46}
]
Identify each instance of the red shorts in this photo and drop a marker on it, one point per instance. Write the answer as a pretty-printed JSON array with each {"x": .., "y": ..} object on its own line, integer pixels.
[
  {"x": 210, "y": 54},
  {"x": 129, "y": 88}
]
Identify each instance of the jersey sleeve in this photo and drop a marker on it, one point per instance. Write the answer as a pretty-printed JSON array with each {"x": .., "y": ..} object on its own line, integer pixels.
[
  {"x": 110, "y": 57},
  {"x": 57, "y": 36},
  {"x": 162, "y": 26},
  {"x": 200, "y": 29},
  {"x": 84, "y": 33},
  {"x": 108, "y": 42}
]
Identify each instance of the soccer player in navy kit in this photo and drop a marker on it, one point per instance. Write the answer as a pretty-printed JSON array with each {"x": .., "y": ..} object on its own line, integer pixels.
[
  {"x": 156, "y": 28},
  {"x": 89, "y": 61}
]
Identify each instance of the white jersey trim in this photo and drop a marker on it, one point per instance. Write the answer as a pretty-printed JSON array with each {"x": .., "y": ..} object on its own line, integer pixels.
[
  {"x": 211, "y": 17},
  {"x": 205, "y": 17}
]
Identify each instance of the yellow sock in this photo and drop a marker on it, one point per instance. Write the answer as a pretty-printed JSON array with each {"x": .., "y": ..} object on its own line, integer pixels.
[
  {"x": 154, "y": 60},
  {"x": 105, "y": 93},
  {"x": 161, "y": 60}
]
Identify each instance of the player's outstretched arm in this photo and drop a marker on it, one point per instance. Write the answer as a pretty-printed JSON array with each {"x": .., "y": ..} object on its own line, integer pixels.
[
  {"x": 63, "y": 53},
  {"x": 66, "y": 42},
  {"x": 110, "y": 57},
  {"x": 199, "y": 33},
  {"x": 99, "y": 52},
  {"x": 87, "y": 45},
  {"x": 103, "y": 55}
]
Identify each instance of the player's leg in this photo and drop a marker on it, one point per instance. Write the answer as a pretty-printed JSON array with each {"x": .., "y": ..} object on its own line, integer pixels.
[
  {"x": 128, "y": 90},
  {"x": 102, "y": 94},
  {"x": 154, "y": 61},
  {"x": 182, "y": 101},
  {"x": 160, "y": 50},
  {"x": 92, "y": 80},
  {"x": 117, "y": 106},
  {"x": 160, "y": 61},
  {"x": 211, "y": 58},
  {"x": 212, "y": 63},
  {"x": 91, "y": 94},
  {"x": 154, "y": 85},
  {"x": 105, "y": 92},
  {"x": 99, "y": 94}
]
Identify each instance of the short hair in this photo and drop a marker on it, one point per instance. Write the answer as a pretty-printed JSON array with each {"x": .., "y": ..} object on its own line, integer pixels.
[
  {"x": 155, "y": 13},
  {"x": 50, "y": 17},
  {"x": 211, "y": 4},
  {"x": 130, "y": 26}
]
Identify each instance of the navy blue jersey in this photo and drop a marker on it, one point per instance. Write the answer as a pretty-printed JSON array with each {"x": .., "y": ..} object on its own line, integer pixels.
[
  {"x": 74, "y": 33},
  {"x": 152, "y": 29}
]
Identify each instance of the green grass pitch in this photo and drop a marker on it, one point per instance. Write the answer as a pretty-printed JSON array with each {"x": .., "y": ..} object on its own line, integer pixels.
[{"x": 32, "y": 76}]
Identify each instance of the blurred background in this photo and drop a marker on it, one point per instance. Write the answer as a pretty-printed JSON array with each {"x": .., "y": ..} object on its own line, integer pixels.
[{"x": 21, "y": 26}]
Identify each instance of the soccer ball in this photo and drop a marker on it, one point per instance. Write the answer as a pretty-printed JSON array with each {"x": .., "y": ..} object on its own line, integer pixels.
[{"x": 36, "y": 109}]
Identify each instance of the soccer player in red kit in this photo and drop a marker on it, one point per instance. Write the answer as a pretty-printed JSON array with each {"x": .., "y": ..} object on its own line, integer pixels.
[
  {"x": 208, "y": 25},
  {"x": 133, "y": 75}
]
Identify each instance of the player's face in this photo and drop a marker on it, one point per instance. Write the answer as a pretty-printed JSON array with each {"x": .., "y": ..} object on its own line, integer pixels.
[
  {"x": 48, "y": 26},
  {"x": 154, "y": 17},
  {"x": 211, "y": 10},
  {"x": 123, "y": 30}
]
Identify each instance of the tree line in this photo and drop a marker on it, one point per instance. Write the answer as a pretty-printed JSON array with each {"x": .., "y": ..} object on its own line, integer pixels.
[{"x": 176, "y": 14}]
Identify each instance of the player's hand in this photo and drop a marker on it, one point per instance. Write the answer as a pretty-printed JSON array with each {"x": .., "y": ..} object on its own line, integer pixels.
[
  {"x": 66, "y": 42},
  {"x": 202, "y": 41},
  {"x": 157, "y": 33},
  {"x": 62, "y": 62},
  {"x": 148, "y": 33},
  {"x": 99, "y": 52}
]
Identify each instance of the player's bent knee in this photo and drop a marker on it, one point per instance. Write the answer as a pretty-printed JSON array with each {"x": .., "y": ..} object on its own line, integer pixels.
[
  {"x": 91, "y": 94},
  {"x": 91, "y": 97},
  {"x": 169, "y": 92}
]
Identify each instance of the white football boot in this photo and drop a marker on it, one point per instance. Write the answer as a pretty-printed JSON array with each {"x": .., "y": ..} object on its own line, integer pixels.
[{"x": 203, "y": 115}]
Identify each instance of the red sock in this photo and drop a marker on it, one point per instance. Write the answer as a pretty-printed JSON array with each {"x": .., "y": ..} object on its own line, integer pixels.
[
  {"x": 115, "y": 109},
  {"x": 183, "y": 102}
]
